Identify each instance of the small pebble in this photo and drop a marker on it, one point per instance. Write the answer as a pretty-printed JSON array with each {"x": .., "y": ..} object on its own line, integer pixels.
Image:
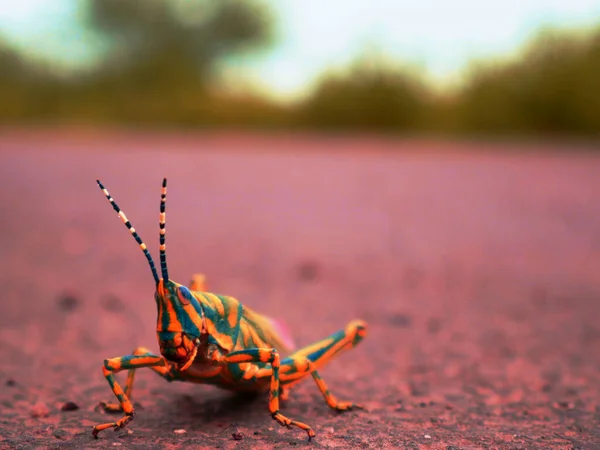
[
  {"x": 40, "y": 410},
  {"x": 59, "y": 433},
  {"x": 329, "y": 430},
  {"x": 68, "y": 302},
  {"x": 237, "y": 436},
  {"x": 116, "y": 444},
  {"x": 180, "y": 431},
  {"x": 427, "y": 436},
  {"x": 308, "y": 271},
  {"x": 69, "y": 406}
]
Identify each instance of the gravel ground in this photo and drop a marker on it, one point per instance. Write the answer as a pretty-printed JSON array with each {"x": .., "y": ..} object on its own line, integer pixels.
[{"x": 476, "y": 266}]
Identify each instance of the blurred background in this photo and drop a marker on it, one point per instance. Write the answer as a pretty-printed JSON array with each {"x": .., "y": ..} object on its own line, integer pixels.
[
  {"x": 502, "y": 68},
  {"x": 430, "y": 167}
]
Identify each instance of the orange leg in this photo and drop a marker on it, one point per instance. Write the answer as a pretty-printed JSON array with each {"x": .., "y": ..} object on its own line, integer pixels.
[
  {"x": 270, "y": 356},
  {"x": 307, "y": 360},
  {"x": 140, "y": 358}
]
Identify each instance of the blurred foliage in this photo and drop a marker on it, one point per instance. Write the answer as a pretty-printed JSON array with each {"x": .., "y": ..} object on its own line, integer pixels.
[
  {"x": 552, "y": 87},
  {"x": 370, "y": 96},
  {"x": 158, "y": 65}
]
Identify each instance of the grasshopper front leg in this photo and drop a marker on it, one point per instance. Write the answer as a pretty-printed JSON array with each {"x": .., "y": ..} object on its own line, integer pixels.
[
  {"x": 270, "y": 356},
  {"x": 141, "y": 358}
]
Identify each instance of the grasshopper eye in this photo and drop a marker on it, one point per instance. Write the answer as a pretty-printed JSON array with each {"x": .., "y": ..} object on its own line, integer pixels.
[
  {"x": 184, "y": 295},
  {"x": 197, "y": 341}
]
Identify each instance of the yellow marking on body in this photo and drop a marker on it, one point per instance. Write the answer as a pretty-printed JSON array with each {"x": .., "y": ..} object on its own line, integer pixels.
[
  {"x": 232, "y": 318},
  {"x": 162, "y": 217},
  {"x": 224, "y": 341},
  {"x": 143, "y": 246},
  {"x": 255, "y": 339},
  {"x": 123, "y": 217},
  {"x": 210, "y": 326},
  {"x": 245, "y": 333},
  {"x": 162, "y": 231},
  {"x": 194, "y": 316},
  {"x": 164, "y": 191},
  {"x": 106, "y": 193},
  {"x": 132, "y": 230},
  {"x": 217, "y": 303},
  {"x": 163, "y": 247}
]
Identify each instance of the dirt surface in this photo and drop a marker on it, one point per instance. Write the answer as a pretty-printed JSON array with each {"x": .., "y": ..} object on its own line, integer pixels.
[{"x": 477, "y": 270}]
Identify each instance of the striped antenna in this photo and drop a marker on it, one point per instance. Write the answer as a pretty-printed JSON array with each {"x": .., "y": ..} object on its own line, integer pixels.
[
  {"x": 132, "y": 230},
  {"x": 163, "y": 248}
]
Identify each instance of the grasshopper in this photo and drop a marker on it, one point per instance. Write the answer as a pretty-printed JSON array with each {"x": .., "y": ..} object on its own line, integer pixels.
[{"x": 214, "y": 339}]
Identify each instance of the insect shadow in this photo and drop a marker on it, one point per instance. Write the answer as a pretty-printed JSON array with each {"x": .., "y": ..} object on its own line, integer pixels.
[{"x": 215, "y": 410}]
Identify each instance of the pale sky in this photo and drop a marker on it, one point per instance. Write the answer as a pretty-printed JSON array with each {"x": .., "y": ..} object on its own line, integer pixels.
[{"x": 439, "y": 36}]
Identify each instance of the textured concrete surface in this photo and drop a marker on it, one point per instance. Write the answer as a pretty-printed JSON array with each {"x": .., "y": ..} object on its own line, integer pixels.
[{"x": 476, "y": 267}]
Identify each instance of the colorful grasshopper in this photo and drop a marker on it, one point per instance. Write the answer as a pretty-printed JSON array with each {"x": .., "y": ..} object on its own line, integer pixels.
[{"x": 214, "y": 339}]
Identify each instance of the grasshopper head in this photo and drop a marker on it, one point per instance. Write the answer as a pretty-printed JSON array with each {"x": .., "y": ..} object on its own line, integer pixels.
[{"x": 180, "y": 326}]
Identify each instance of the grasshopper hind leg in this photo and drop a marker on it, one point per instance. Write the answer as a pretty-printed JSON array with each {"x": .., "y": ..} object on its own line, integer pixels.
[{"x": 307, "y": 360}]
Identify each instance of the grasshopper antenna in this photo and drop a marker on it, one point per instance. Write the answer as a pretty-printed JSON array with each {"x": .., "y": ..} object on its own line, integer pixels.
[
  {"x": 132, "y": 230},
  {"x": 163, "y": 253}
]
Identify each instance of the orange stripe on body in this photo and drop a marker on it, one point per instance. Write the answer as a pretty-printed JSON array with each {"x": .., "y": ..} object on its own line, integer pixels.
[
  {"x": 257, "y": 340},
  {"x": 224, "y": 340},
  {"x": 173, "y": 320},
  {"x": 216, "y": 303},
  {"x": 232, "y": 318},
  {"x": 194, "y": 316},
  {"x": 245, "y": 333}
]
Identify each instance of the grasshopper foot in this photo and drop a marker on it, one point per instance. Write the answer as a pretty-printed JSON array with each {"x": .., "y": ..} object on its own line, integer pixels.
[
  {"x": 116, "y": 425},
  {"x": 347, "y": 406},
  {"x": 288, "y": 423}
]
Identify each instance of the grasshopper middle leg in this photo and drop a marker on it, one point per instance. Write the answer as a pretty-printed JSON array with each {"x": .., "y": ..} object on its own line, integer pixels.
[
  {"x": 270, "y": 356},
  {"x": 293, "y": 369}
]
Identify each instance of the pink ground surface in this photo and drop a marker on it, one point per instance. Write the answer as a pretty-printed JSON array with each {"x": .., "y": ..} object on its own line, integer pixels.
[{"x": 477, "y": 268}]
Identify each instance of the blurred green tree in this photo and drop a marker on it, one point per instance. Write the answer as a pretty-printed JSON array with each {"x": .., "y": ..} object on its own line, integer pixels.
[
  {"x": 202, "y": 32},
  {"x": 370, "y": 96},
  {"x": 158, "y": 57},
  {"x": 552, "y": 88}
]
